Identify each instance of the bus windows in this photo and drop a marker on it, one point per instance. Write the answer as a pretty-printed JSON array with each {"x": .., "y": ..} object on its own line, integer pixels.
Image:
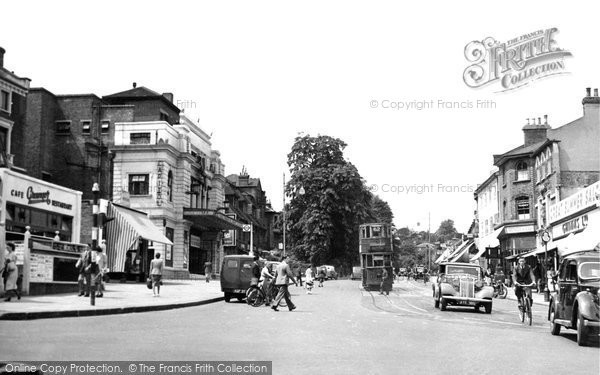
[{"x": 366, "y": 232}]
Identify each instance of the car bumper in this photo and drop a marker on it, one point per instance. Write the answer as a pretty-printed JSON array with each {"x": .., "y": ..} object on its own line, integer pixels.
[
  {"x": 466, "y": 301},
  {"x": 590, "y": 323}
]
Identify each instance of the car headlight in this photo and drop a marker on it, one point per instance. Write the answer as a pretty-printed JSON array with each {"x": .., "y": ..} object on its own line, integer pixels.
[
  {"x": 456, "y": 283},
  {"x": 478, "y": 284},
  {"x": 596, "y": 297}
]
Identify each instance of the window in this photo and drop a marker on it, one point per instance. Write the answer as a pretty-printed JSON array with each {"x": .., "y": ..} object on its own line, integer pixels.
[
  {"x": 522, "y": 171},
  {"x": 104, "y": 126},
  {"x": 5, "y": 100},
  {"x": 63, "y": 127},
  {"x": 138, "y": 184},
  {"x": 170, "y": 186},
  {"x": 86, "y": 127},
  {"x": 523, "y": 212},
  {"x": 139, "y": 138}
]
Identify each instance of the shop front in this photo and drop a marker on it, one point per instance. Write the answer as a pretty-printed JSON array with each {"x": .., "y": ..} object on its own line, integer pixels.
[
  {"x": 132, "y": 241},
  {"x": 43, "y": 220}
]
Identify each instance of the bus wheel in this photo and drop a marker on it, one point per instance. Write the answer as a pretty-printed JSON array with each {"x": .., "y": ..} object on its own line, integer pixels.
[{"x": 227, "y": 297}]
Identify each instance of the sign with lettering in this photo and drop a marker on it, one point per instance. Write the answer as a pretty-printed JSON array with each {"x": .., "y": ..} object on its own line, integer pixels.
[
  {"x": 579, "y": 201},
  {"x": 570, "y": 226},
  {"x": 521, "y": 229},
  {"x": 29, "y": 192},
  {"x": 41, "y": 268}
]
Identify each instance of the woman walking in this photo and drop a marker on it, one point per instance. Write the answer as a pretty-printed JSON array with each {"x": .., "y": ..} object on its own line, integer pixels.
[
  {"x": 156, "y": 268},
  {"x": 12, "y": 273}
]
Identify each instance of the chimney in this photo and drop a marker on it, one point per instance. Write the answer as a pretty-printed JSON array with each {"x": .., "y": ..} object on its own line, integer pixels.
[
  {"x": 168, "y": 96},
  {"x": 536, "y": 132},
  {"x": 591, "y": 106},
  {"x": 2, "y": 50},
  {"x": 134, "y": 85}
]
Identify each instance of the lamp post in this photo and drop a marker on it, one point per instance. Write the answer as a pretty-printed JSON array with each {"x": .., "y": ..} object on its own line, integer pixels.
[{"x": 545, "y": 240}]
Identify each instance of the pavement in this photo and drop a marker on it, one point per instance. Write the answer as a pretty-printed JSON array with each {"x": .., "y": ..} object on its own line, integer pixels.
[{"x": 118, "y": 299}]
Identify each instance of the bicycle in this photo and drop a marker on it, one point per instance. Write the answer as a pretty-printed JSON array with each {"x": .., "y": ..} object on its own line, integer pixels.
[
  {"x": 255, "y": 296},
  {"x": 525, "y": 303}
]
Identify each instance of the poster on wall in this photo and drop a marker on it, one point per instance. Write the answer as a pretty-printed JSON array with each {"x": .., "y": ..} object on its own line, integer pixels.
[
  {"x": 20, "y": 251},
  {"x": 41, "y": 268}
]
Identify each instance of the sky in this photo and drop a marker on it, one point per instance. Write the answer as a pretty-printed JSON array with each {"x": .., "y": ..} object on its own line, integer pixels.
[{"x": 256, "y": 74}]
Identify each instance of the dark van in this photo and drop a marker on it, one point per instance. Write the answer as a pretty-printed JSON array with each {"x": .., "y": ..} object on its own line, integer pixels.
[{"x": 236, "y": 273}]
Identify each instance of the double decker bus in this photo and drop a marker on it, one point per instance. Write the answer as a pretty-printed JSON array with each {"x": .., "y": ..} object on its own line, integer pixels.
[{"x": 375, "y": 248}]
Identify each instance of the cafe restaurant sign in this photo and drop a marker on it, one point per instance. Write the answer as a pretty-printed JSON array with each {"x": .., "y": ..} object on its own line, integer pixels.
[
  {"x": 586, "y": 198},
  {"x": 34, "y": 193}
]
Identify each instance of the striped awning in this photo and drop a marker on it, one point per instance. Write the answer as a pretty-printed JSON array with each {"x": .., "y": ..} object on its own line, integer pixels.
[{"x": 124, "y": 232}]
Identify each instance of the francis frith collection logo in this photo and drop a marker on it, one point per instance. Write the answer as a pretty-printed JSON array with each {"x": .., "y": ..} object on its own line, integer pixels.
[{"x": 514, "y": 63}]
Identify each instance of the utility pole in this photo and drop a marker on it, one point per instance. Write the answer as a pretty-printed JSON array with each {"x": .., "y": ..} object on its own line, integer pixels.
[
  {"x": 283, "y": 211},
  {"x": 428, "y": 241},
  {"x": 95, "y": 234}
]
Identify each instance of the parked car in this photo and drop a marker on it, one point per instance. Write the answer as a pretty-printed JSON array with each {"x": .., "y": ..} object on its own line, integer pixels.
[
  {"x": 236, "y": 274},
  {"x": 402, "y": 272},
  {"x": 575, "y": 305},
  {"x": 461, "y": 284},
  {"x": 356, "y": 273}
]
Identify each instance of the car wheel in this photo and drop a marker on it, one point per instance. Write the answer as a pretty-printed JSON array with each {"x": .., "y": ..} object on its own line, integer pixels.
[
  {"x": 443, "y": 304},
  {"x": 554, "y": 328},
  {"x": 488, "y": 307},
  {"x": 582, "y": 330},
  {"x": 227, "y": 297}
]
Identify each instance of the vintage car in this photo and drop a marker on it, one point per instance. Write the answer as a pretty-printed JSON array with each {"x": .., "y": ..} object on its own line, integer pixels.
[
  {"x": 461, "y": 284},
  {"x": 356, "y": 273},
  {"x": 419, "y": 272},
  {"x": 402, "y": 272},
  {"x": 575, "y": 304},
  {"x": 329, "y": 272},
  {"x": 236, "y": 274}
]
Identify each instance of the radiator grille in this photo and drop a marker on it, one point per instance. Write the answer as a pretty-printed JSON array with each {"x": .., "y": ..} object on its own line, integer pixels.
[{"x": 467, "y": 287}]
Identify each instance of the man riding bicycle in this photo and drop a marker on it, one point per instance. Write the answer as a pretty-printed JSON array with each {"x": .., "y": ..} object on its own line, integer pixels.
[{"x": 523, "y": 278}]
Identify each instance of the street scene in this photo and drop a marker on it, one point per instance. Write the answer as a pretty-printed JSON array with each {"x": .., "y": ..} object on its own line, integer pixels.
[{"x": 268, "y": 188}]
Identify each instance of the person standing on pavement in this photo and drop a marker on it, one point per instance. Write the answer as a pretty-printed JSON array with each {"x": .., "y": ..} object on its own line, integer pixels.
[
  {"x": 12, "y": 270},
  {"x": 284, "y": 274},
  {"x": 84, "y": 266},
  {"x": 156, "y": 268},
  {"x": 101, "y": 261},
  {"x": 309, "y": 280},
  {"x": 207, "y": 271}
]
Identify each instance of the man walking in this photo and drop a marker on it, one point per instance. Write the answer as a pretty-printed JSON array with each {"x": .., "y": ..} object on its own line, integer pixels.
[
  {"x": 284, "y": 274},
  {"x": 85, "y": 274}
]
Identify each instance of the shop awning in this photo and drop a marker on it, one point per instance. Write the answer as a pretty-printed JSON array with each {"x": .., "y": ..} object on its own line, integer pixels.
[
  {"x": 491, "y": 240},
  {"x": 125, "y": 230},
  {"x": 461, "y": 254},
  {"x": 482, "y": 250},
  {"x": 211, "y": 219}
]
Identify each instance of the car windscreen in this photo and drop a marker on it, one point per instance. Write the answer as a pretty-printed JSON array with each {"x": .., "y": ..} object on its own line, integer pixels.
[
  {"x": 456, "y": 270},
  {"x": 589, "y": 270}
]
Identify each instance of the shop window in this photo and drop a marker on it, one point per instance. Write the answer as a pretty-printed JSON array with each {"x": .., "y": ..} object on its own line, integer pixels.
[
  {"x": 86, "y": 127},
  {"x": 522, "y": 171},
  {"x": 169, "y": 248},
  {"x": 138, "y": 184},
  {"x": 5, "y": 101},
  {"x": 139, "y": 138},
  {"x": 523, "y": 209},
  {"x": 63, "y": 127}
]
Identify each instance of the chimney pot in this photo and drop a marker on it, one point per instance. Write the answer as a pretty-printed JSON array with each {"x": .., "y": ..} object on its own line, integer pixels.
[
  {"x": 2, "y": 50},
  {"x": 595, "y": 92},
  {"x": 527, "y": 120},
  {"x": 588, "y": 91},
  {"x": 134, "y": 85},
  {"x": 545, "y": 119}
]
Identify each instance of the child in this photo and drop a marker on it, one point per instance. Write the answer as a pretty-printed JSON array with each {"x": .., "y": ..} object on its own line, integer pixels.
[{"x": 309, "y": 281}]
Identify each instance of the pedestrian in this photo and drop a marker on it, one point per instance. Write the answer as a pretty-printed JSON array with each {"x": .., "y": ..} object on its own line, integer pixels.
[
  {"x": 309, "y": 280},
  {"x": 207, "y": 271},
  {"x": 284, "y": 274},
  {"x": 383, "y": 286},
  {"x": 537, "y": 273},
  {"x": 300, "y": 275},
  {"x": 101, "y": 261},
  {"x": 156, "y": 268},
  {"x": 255, "y": 272},
  {"x": 12, "y": 273},
  {"x": 322, "y": 275},
  {"x": 84, "y": 268},
  {"x": 266, "y": 278}
]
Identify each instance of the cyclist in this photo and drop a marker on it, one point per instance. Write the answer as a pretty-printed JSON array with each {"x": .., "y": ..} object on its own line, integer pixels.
[{"x": 522, "y": 276}]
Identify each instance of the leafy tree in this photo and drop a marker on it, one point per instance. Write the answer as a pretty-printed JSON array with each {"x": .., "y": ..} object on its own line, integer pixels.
[
  {"x": 446, "y": 231},
  {"x": 328, "y": 202},
  {"x": 381, "y": 211}
]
